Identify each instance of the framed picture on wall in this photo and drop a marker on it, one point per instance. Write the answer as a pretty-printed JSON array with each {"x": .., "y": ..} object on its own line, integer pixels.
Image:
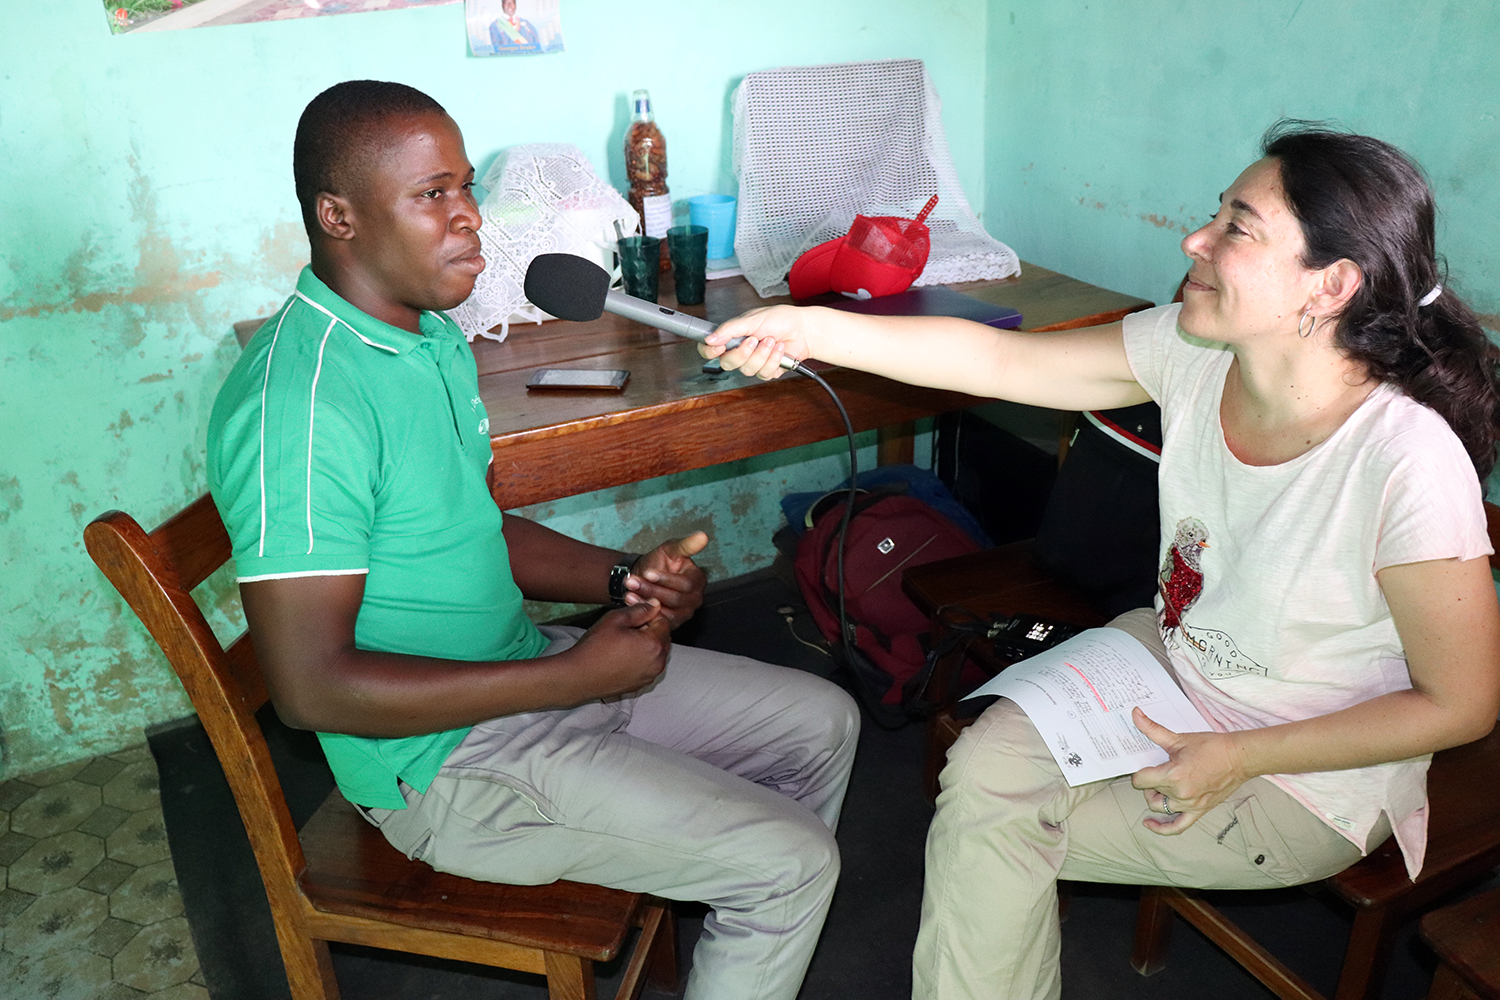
[
  {"x": 513, "y": 27},
  {"x": 168, "y": 15}
]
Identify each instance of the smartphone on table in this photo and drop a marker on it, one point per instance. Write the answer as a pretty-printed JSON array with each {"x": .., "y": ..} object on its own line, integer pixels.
[{"x": 608, "y": 379}]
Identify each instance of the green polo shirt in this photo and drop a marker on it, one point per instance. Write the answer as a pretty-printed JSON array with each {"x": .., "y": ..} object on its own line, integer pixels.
[{"x": 339, "y": 445}]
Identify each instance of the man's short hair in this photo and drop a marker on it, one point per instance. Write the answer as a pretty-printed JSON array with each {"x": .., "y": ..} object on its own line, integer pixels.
[{"x": 334, "y": 137}]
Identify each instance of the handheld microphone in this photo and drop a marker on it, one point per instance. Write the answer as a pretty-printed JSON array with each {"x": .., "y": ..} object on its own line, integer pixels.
[{"x": 575, "y": 288}]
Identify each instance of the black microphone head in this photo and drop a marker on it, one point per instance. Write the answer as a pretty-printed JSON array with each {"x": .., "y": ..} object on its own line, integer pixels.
[{"x": 567, "y": 286}]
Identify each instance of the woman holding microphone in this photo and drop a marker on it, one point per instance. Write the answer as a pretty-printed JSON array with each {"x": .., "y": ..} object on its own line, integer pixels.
[{"x": 1329, "y": 410}]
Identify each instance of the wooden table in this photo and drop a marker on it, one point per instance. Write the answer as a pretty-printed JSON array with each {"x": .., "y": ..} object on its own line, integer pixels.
[{"x": 672, "y": 417}]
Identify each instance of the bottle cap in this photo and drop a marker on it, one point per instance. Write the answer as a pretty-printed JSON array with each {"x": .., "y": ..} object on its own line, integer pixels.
[{"x": 642, "y": 101}]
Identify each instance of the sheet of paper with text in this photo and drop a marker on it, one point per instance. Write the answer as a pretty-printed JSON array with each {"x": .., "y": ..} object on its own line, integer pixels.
[{"x": 1079, "y": 695}]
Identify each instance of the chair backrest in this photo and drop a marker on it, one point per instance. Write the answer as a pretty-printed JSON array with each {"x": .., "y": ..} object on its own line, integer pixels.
[{"x": 156, "y": 574}]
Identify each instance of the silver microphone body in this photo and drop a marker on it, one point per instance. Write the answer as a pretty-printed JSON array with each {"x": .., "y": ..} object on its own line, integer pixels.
[{"x": 670, "y": 320}]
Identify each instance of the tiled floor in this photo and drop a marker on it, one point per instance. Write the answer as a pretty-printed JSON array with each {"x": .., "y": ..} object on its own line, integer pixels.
[{"x": 90, "y": 908}]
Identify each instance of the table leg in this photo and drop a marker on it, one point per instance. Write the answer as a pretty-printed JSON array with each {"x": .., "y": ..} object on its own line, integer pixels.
[{"x": 894, "y": 444}]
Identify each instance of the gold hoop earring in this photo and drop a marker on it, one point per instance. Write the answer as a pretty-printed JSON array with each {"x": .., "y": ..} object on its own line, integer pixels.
[{"x": 1311, "y": 326}]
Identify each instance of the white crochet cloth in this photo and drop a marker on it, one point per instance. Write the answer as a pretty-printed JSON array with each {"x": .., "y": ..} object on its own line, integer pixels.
[
  {"x": 543, "y": 198},
  {"x": 814, "y": 146}
]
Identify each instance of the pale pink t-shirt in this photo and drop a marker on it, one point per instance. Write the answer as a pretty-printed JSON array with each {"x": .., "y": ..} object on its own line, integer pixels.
[{"x": 1267, "y": 595}]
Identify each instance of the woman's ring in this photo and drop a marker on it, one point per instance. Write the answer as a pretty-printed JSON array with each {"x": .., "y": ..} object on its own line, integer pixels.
[{"x": 1166, "y": 806}]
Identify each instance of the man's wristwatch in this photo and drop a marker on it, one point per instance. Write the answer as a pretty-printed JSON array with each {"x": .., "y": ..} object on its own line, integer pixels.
[{"x": 617, "y": 574}]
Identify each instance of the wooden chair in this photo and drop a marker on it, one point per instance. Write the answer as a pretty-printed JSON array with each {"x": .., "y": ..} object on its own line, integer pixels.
[
  {"x": 341, "y": 880},
  {"x": 1463, "y": 788},
  {"x": 1463, "y": 846},
  {"x": 1466, "y": 937}
]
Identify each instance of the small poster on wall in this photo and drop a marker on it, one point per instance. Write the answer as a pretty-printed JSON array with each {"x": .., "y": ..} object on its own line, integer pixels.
[
  {"x": 513, "y": 27},
  {"x": 166, "y": 15}
]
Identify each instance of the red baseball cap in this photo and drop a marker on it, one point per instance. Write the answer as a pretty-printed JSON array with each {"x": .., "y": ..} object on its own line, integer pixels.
[{"x": 880, "y": 255}]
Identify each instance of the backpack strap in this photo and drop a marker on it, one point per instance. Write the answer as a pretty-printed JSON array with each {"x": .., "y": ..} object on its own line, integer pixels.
[{"x": 960, "y": 628}]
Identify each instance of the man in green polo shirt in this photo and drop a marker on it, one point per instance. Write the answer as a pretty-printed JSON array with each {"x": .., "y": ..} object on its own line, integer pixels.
[{"x": 348, "y": 454}]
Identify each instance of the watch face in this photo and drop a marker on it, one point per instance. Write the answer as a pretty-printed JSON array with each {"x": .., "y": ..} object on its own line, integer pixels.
[{"x": 617, "y": 575}]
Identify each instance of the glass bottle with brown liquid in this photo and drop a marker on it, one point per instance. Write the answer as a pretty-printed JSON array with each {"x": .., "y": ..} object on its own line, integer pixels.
[{"x": 646, "y": 171}]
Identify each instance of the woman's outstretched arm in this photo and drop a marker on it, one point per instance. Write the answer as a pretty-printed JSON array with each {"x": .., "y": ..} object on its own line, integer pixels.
[{"x": 1082, "y": 369}]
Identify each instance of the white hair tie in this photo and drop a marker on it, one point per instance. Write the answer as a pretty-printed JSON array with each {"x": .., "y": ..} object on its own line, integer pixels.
[{"x": 1431, "y": 296}]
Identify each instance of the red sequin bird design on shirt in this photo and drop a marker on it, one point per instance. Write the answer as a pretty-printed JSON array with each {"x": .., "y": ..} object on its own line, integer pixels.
[{"x": 1181, "y": 577}]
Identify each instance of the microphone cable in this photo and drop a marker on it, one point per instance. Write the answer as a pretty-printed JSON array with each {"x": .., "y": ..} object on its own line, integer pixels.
[
  {"x": 575, "y": 288},
  {"x": 847, "y": 635}
]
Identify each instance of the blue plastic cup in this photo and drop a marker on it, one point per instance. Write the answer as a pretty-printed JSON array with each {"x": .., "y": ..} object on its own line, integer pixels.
[{"x": 715, "y": 211}]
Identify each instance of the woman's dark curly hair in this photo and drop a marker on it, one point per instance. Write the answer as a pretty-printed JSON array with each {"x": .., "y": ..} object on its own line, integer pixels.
[{"x": 1363, "y": 200}]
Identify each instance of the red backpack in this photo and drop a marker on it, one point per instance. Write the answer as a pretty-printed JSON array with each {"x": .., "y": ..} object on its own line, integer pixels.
[{"x": 888, "y": 532}]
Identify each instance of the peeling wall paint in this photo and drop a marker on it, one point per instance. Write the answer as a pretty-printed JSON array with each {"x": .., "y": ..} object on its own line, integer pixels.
[
  {"x": 145, "y": 211},
  {"x": 147, "y": 205},
  {"x": 1112, "y": 128}
]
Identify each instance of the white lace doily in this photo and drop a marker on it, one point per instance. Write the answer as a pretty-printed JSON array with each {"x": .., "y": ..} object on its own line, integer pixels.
[{"x": 542, "y": 198}]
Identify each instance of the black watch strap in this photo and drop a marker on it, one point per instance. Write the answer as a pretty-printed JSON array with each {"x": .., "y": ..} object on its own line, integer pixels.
[{"x": 617, "y": 574}]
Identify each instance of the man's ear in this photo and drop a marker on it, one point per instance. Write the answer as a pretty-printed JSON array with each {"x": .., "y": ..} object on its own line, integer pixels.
[
  {"x": 1341, "y": 280},
  {"x": 335, "y": 215}
]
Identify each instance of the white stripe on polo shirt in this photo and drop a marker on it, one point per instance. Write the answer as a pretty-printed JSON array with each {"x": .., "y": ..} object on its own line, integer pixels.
[
  {"x": 312, "y": 403},
  {"x": 260, "y": 549},
  {"x": 302, "y": 573},
  {"x": 330, "y": 315},
  {"x": 312, "y": 410},
  {"x": 333, "y": 321}
]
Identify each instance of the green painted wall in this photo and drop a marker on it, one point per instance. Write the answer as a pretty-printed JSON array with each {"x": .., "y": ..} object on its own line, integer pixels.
[
  {"x": 1111, "y": 128},
  {"x": 146, "y": 204}
]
